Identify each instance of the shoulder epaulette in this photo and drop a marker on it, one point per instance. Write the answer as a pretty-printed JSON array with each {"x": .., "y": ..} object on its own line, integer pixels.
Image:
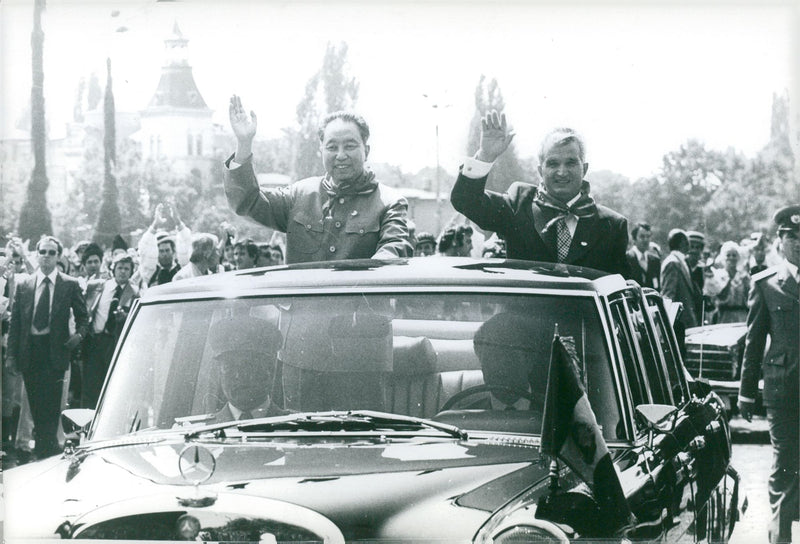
[{"x": 771, "y": 271}]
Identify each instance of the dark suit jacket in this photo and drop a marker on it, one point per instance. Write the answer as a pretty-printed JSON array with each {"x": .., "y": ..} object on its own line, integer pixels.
[
  {"x": 94, "y": 291},
  {"x": 67, "y": 295},
  {"x": 599, "y": 242},
  {"x": 646, "y": 278},
  {"x": 677, "y": 284},
  {"x": 773, "y": 311}
]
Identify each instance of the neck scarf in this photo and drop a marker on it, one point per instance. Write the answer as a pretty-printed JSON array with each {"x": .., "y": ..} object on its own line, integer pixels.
[
  {"x": 583, "y": 207},
  {"x": 364, "y": 185}
]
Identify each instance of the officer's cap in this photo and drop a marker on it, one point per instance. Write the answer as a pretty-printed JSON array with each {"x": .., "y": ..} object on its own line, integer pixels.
[
  {"x": 788, "y": 219},
  {"x": 695, "y": 236}
]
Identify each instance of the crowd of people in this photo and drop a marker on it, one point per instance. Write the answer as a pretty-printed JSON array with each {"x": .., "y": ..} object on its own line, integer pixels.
[{"x": 63, "y": 308}]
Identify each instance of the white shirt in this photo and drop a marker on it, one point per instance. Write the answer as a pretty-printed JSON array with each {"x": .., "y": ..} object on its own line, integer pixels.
[
  {"x": 475, "y": 169},
  {"x": 103, "y": 306},
  {"x": 38, "y": 293}
]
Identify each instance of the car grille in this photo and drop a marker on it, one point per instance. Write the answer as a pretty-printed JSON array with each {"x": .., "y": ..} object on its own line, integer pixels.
[
  {"x": 718, "y": 363},
  {"x": 162, "y": 526}
]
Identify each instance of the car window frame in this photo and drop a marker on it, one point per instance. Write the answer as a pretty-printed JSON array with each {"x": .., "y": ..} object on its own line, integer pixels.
[{"x": 671, "y": 359}]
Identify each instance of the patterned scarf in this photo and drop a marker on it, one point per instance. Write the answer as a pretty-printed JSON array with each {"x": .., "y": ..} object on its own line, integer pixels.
[
  {"x": 364, "y": 185},
  {"x": 584, "y": 207}
]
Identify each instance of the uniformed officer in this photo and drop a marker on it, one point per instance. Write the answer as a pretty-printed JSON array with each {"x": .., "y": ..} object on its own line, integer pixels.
[{"x": 773, "y": 311}]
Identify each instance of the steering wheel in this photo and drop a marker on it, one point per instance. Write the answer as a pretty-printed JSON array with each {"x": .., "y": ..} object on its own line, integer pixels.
[{"x": 484, "y": 388}]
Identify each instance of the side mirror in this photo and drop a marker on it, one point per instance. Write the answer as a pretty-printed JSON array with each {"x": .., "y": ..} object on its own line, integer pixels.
[
  {"x": 656, "y": 419},
  {"x": 700, "y": 387},
  {"x": 75, "y": 422}
]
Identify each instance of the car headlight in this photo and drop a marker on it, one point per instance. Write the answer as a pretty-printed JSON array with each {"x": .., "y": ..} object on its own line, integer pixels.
[
  {"x": 517, "y": 522},
  {"x": 537, "y": 530}
]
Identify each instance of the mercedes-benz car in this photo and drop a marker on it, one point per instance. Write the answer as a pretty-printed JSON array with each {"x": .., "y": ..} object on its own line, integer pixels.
[
  {"x": 714, "y": 353},
  {"x": 419, "y": 400}
]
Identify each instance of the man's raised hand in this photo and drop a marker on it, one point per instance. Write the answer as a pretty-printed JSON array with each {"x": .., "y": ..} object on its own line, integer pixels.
[
  {"x": 243, "y": 125},
  {"x": 495, "y": 136}
]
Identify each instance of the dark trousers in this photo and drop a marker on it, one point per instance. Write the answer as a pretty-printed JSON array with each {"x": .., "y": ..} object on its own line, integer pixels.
[
  {"x": 99, "y": 349},
  {"x": 784, "y": 486},
  {"x": 44, "y": 384}
]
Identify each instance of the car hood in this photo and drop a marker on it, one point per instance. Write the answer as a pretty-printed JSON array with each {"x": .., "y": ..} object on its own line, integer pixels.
[
  {"x": 366, "y": 488},
  {"x": 723, "y": 334}
]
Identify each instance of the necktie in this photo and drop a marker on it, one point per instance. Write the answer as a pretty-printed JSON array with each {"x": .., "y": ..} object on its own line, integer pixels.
[
  {"x": 111, "y": 322},
  {"x": 41, "y": 317},
  {"x": 563, "y": 238}
]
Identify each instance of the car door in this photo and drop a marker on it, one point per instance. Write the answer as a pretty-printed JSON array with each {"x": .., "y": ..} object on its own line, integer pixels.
[
  {"x": 660, "y": 480},
  {"x": 710, "y": 449}
]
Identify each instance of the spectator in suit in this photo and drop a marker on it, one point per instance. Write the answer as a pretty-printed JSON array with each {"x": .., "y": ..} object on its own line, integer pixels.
[
  {"x": 112, "y": 300},
  {"x": 162, "y": 251},
  {"x": 697, "y": 269},
  {"x": 645, "y": 266},
  {"x": 773, "y": 313},
  {"x": 345, "y": 214},
  {"x": 40, "y": 342},
  {"x": 557, "y": 221},
  {"x": 245, "y": 254},
  {"x": 204, "y": 259},
  {"x": 91, "y": 262},
  {"x": 677, "y": 284},
  {"x": 167, "y": 265}
]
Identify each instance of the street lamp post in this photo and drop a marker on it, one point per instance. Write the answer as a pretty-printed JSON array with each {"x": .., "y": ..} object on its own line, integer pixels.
[{"x": 437, "y": 107}]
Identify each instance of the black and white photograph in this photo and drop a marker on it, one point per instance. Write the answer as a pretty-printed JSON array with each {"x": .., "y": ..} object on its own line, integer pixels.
[{"x": 456, "y": 271}]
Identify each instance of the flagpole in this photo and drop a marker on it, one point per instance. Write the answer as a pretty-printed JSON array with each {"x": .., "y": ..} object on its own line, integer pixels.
[{"x": 553, "y": 475}]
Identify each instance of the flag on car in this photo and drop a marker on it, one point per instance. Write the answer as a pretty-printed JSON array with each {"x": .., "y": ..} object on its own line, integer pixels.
[{"x": 570, "y": 432}]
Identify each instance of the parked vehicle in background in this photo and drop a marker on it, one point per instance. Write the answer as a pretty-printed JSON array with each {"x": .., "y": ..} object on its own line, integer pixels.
[
  {"x": 714, "y": 353},
  {"x": 398, "y": 401}
]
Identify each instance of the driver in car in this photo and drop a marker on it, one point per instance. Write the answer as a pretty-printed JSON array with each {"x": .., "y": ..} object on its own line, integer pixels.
[
  {"x": 508, "y": 350},
  {"x": 246, "y": 355}
]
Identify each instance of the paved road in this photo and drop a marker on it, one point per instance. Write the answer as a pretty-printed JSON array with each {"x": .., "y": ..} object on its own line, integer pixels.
[{"x": 752, "y": 457}]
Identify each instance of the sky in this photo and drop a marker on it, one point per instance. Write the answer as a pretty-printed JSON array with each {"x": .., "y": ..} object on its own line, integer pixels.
[{"x": 637, "y": 79}]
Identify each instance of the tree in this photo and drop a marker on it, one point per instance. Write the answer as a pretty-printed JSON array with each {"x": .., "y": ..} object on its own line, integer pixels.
[
  {"x": 34, "y": 217},
  {"x": 94, "y": 94},
  {"x": 614, "y": 191},
  {"x": 77, "y": 108},
  {"x": 329, "y": 90},
  {"x": 109, "y": 222},
  {"x": 507, "y": 168}
]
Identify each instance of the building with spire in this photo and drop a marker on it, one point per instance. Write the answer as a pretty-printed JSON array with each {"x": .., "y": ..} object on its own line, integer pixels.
[{"x": 176, "y": 124}]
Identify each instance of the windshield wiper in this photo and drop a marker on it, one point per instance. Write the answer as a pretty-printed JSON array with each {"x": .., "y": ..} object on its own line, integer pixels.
[
  {"x": 354, "y": 420},
  {"x": 394, "y": 420}
]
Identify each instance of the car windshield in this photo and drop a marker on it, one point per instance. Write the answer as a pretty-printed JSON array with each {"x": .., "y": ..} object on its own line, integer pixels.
[{"x": 477, "y": 361}]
